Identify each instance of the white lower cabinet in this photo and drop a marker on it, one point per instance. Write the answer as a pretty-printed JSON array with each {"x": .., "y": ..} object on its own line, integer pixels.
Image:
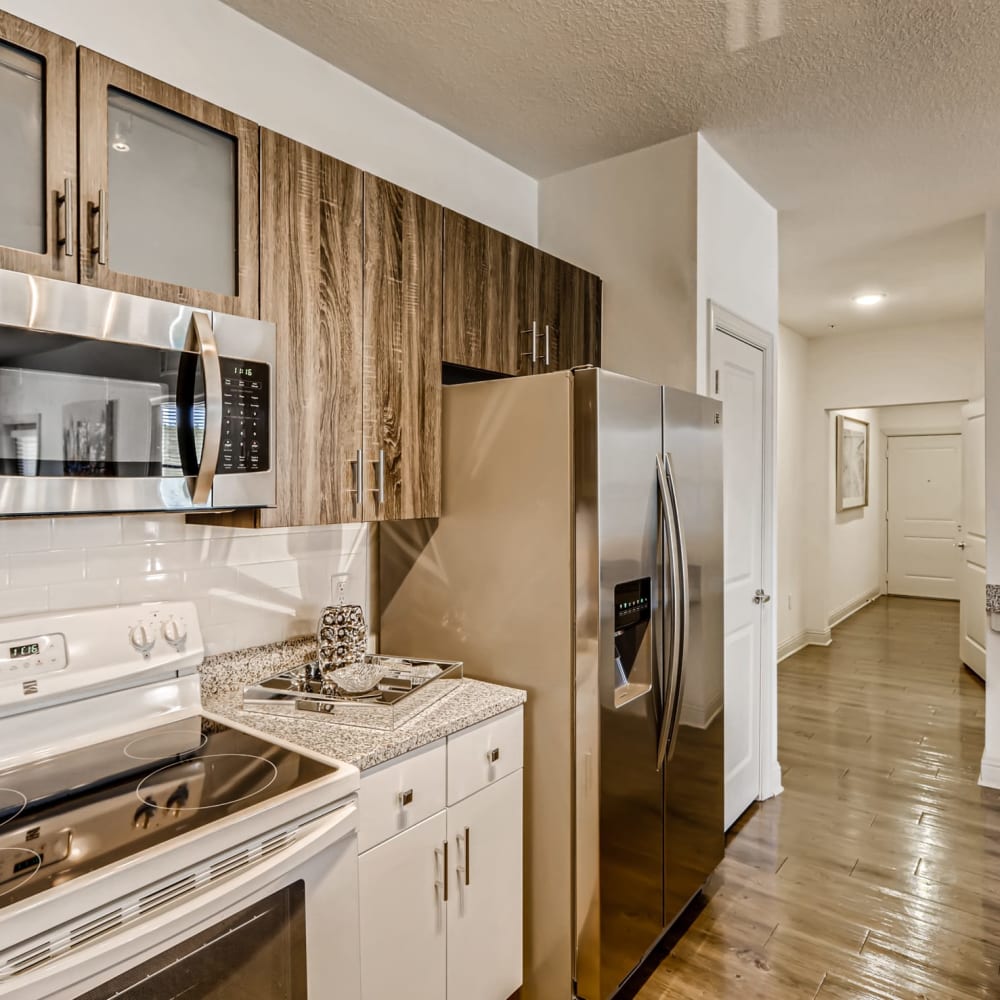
[
  {"x": 485, "y": 906},
  {"x": 441, "y": 901},
  {"x": 404, "y": 922}
]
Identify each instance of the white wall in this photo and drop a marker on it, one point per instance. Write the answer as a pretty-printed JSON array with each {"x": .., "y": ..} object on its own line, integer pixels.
[
  {"x": 930, "y": 418},
  {"x": 632, "y": 219},
  {"x": 791, "y": 459},
  {"x": 250, "y": 587},
  {"x": 737, "y": 250},
  {"x": 990, "y": 774},
  {"x": 939, "y": 363}
]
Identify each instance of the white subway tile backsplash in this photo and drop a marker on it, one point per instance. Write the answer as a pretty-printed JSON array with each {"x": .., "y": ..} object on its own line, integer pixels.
[
  {"x": 33, "y": 569},
  {"x": 23, "y": 601},
  {"x": 89, "y": 532},
  {"x": 250, "y": 587},
  {"x": 32, "y": 534}
]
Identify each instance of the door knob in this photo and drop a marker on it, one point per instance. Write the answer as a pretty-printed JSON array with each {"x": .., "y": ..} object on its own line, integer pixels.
[
  {"x": 760, "y": 597},
  {"x": 959, "y": 545}
]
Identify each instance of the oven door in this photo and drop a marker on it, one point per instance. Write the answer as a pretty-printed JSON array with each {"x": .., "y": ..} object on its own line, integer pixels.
[
  {"x": 118, "y": 403},
  {"x": 285, "y": 928}
]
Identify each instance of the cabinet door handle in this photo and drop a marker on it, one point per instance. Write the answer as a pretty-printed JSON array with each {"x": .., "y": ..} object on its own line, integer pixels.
[
  {"x": 100, "y": 210},
  {"x": 379, "y": 489},
  {"x": 492, "y": 756},
  {"x": 467, "y": 856},
  {"x": 65, "y": 199},
  {"x": 444, "y": 872},
  {"x": 533, "y": 333},
  {"x": 358, "y": 464},
  {"x": 547, "y": 356},
  {"x": 405, "y": 798}
]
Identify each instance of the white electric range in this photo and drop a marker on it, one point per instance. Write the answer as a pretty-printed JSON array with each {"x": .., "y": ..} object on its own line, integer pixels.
[{"x": 149, "y": 850}]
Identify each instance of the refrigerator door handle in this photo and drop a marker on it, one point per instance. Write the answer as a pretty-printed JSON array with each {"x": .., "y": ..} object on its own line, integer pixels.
[
  {"x": 668, "y": 516},
  {"x": 685, "y": 610}
]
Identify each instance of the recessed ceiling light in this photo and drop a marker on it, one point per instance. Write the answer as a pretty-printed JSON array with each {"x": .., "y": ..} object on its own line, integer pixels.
[
  {"x": 869, "y": 299},
  {"x": 120, "y": 147}
]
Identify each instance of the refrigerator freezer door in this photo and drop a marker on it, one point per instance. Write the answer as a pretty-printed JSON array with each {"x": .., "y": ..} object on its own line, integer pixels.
[
  {"x": 694, "y": 841},
  {"x": 619, "y": 792}
]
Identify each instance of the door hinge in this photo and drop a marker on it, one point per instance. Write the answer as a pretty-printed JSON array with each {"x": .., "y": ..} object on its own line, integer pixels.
[{"x": 717, "y": 381}]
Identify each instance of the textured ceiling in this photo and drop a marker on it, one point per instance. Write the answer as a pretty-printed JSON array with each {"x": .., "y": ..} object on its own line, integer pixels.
[{"x": 872, "y": 125}]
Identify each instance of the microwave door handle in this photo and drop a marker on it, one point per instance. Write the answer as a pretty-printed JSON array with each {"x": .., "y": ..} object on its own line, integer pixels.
[
  {"x": 201, "y": 341},
  {"x": 684, "y": 608},
  {"x": 667, "y": 518}
]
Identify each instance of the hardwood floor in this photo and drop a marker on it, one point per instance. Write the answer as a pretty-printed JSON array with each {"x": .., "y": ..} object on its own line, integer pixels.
[{"x": 877, "y": 873}]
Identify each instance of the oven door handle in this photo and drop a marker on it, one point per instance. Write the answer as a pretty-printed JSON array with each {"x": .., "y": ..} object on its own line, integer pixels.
[{"x": 200, "y": 343}]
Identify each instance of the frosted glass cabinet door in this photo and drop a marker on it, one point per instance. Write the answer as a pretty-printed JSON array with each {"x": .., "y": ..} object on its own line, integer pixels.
[
  {"x": 169, "y": 191},
  {"x": 38, "y": 164}
]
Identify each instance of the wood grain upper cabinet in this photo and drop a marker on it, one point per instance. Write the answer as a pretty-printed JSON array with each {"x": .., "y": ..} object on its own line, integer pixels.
[
  {"x": 169, "y": 197},
  {"x": 38, "y": 163},
  {"x": 402, "y": 351},
  {"x": 311, "y": 288},
  {"x": 580, "y": 317}
]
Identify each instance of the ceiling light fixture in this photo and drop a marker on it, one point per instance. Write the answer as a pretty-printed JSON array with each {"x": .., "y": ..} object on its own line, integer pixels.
[
  {"x": 120, "y": 147},
  {"x": 869, "y": 299}
]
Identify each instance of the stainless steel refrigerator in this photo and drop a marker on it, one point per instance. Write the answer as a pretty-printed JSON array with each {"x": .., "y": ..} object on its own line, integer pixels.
[{"x": 579, "y": 556}]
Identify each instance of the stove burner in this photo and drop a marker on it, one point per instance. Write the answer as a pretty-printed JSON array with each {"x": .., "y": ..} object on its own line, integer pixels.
[
  {"x": 12, "y": 804},
  {"x": 234, "y": 772},
  {"x": 159, "y": 746},
  {"x": 18, "y": 865}
]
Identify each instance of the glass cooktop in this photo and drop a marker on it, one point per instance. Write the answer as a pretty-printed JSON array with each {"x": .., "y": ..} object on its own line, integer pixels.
[{"x": 76, "y": 812}]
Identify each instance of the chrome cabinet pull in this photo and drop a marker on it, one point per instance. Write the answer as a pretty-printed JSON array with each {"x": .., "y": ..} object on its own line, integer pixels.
[
  {"x": 548, "y": 360},
  {"x": 533, "y": 333},
  {"x": 445, "y": 873},
  {"x": 358, "y": 463},
  {"x": 201, "y": 340},
  {"x": 100, "y": 210},
  {"x": 65, "y": 200},
  {"x": 379, "y": 488},
  {"x": 405, "y": 798},
  {"x": 492, "y": 756},
  {"x": 467, "y": 876}
]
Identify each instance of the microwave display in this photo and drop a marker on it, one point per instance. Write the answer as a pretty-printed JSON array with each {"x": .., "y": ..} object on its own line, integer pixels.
[{"x": 245, "y": 406}]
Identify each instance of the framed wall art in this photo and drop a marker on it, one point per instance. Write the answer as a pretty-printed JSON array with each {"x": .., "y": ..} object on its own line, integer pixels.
[{"x": 852, "y": 463}]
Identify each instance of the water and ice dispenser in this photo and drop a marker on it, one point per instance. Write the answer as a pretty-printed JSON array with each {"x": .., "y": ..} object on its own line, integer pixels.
[{"x": 633, "y": 652}]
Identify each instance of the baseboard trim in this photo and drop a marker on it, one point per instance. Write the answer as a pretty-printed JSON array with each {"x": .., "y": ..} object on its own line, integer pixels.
[
  {"x": 798, "y": 642},
  {"x": 989, "y": 772},
  {"x": 853, "y": 607}
]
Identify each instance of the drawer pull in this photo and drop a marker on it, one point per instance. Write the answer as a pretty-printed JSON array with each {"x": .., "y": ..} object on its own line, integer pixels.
[
  {"x": 405, "y": 798},
  {"x": 493, "y": 755}
]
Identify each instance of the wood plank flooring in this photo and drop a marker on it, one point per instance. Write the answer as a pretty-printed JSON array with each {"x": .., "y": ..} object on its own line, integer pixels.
[{"x": 876, "y": 875}]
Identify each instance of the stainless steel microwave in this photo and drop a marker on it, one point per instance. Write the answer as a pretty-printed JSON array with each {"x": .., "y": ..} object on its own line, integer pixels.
[{"x": 114, "y": 403}]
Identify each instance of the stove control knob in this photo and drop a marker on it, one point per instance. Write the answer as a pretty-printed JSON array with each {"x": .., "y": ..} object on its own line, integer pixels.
[
  {"x": 141, "y": 640},
  {"x": 175, "y": 634},
  {"x": 143, "y": 816}
]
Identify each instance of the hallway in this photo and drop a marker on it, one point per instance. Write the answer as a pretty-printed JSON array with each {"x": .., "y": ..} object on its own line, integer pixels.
[{"x": 877, "y": 873}]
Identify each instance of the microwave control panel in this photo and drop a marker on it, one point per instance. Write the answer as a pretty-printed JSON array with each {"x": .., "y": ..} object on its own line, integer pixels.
[{"x": 246, "y": 402}]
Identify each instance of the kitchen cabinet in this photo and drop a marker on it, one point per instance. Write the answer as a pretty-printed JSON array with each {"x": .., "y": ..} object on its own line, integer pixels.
[
  {"x": 169, "y": 191},
  {"x": 404, "y": 918},
  {"x": 402, "y": 352},
  {"x": 311, "y": 239},
  {"x": 38, "y": 166},
  {"x": 441, "y": 896},
  {"x": 486, "y": 903},
  {"x": 512, "y": 309}
]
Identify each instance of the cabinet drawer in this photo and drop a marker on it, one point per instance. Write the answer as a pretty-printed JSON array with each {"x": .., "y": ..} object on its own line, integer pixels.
[
  {"x": 401, "y": 793},
  {"x": 485, "y": 753}
]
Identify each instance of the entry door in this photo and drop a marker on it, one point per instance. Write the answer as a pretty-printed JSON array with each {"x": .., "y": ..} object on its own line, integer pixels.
[
  {"x": 925, "y": 501},
  {"x": 740, "y": 373},
  {"x": 971, "y": 540}
]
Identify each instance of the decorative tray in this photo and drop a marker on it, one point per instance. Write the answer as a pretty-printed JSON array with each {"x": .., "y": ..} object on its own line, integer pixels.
[{"x": 377, "y": 692}]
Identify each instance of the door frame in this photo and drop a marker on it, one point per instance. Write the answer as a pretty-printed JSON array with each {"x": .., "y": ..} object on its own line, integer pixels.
[{"x": 722, "y": 322}]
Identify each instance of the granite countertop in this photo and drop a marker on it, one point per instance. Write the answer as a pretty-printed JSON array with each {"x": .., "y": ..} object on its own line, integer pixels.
[
  {"x": 993, "y": 598},
  {"x": 223, "y": 678}
]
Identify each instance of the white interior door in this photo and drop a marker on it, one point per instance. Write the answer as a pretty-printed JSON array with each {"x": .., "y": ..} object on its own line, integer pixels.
[
  {"x": 972, "y": 540},
  {"x": 740, "y": 382},
  {"x": 925, "y": 509}
]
